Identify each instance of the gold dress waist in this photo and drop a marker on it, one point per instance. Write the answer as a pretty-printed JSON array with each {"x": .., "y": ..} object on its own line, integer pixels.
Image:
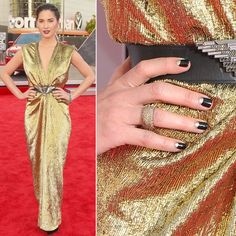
[{"x": 44, "y": 89}]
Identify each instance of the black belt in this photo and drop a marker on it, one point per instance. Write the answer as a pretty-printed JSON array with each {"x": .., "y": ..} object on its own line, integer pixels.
[{"x": 204, "y": 69}]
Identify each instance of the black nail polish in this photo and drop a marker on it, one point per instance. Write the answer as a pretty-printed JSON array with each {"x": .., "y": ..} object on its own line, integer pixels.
[
  {"x": 181, "y": 145},
  {"x": 183, "y": 63},
  {"x": 201, "y": 125},
  {"x": 206, "y": 102}
]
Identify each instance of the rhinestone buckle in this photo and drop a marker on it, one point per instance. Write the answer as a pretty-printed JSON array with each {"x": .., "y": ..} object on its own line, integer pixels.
[
  {"x": 223, "y": 50},
  {"x": 44, "y": 89}
]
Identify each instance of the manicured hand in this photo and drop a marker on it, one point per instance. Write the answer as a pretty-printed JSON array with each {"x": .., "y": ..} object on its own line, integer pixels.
[
  {"x": 61, "y": 95},
  {"x": 29, "y": 94},
  {"x": 120, "y": 106}
]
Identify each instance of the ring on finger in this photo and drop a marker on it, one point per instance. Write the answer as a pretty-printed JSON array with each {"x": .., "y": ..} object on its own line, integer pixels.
[{"x": 147, "y": 117}]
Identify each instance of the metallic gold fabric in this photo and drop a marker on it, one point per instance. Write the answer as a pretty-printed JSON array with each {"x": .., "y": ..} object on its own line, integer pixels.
[
  {"x": 147, "y": 192},
  {"x": 47, "y": 127},
  {"x": 153, "y": 22}
]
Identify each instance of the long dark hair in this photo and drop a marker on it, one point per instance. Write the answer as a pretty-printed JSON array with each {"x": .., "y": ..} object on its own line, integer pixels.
[{"x": 50, "y": 7}]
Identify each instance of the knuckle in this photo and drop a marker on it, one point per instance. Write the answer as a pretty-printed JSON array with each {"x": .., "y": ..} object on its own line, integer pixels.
[
  {"x": 189, "y": 96},
  {"x": 163, "y": 143},
  {"x": 141, "y": 68},
  {"x": 165, "y": 64},
  {"x": 146, "y": 138},
  {"x": 168, "y": 65},
  {"x": 157, "y": 89}
]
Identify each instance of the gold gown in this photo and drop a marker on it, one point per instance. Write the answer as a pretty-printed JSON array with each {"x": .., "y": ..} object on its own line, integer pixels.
[{"x": 47, "y": 128}]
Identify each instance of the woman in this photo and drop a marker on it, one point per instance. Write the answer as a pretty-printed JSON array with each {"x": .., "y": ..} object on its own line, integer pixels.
[
  {"x": 190, "y": 189},
  {"x": 47, "y": 119}
]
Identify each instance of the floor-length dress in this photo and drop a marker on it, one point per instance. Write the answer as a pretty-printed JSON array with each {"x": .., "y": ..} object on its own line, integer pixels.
[{"x": 47, "y": 127}]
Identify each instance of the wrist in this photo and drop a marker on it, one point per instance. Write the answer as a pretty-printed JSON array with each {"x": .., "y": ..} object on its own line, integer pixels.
[
  {"x": 73, "y": 95},
  {"x": 20, "y": 96},
  {"x": 69, "y": 97}
]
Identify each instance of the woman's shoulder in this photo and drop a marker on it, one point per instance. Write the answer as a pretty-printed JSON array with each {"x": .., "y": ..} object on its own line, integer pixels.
[
  {"x": 66, "y": 46},
  {"x": 29, "y": 46}
]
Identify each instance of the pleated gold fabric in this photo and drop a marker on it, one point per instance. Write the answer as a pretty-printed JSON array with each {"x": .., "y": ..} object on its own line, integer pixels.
[
  {"x": 153, "y": 22},
  {"x": 144, "y": 192},
  {"x": 47, "y": 127}
]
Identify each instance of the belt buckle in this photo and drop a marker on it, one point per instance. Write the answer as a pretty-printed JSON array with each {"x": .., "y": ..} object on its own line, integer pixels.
[
  {"x": 45, "y": 89},
  {"x": 223, "y": 50}
]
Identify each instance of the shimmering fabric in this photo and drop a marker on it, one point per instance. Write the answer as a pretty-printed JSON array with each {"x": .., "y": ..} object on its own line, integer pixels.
[
  {"x": 170, "y": 21},
  {"x": 147, "y": 192},
  {"x": 47, "y": 127}
]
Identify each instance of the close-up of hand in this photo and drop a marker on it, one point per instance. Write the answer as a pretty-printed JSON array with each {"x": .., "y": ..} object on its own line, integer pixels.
[
  {"x": 29, "y": 94},
  {"x": 121, "y": 103},
  {"x": 61, "y": 95}
]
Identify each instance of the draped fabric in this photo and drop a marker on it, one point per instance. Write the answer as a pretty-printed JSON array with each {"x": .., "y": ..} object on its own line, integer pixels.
[
  {"x": 47, "y": 128},
  {"x": 148, "y": 192},
  {"x": 153, "y": 22}
]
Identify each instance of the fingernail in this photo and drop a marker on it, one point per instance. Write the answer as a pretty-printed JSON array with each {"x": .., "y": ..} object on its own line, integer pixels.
[
  {"x": 206, "y": 102},
  {"x": 181, "y": 145},
  {"x": 183, "y": 62},
  {"x": 201, "y": 125}
]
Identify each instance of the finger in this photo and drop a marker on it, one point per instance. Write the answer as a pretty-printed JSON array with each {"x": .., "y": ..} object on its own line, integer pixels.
[
  {"x": 121, "y": 70},
  {"x": 58, "y": 89},
  {"x": 169, "y": 93},
  {"x": 148, "y": 139},
  {"x": 60, "y": 96},
  {"x": 32, "y": 92},
  {"x": 147, "y": 69},
  {"x": 30, "y": 98},
  {"x": 56, "y": 92},
  {"x": 31, "y": 89},
  {"x": 169, "y": 120}
]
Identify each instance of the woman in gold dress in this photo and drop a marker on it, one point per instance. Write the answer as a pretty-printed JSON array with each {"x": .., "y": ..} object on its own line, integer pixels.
[
  {"x": 145, "y": 190},
  {"x": 47, "y": 119}
]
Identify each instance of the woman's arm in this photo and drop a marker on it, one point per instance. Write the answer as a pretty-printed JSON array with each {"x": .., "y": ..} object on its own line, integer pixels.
[
  {"x": 87, "y": 73},
  {"x": 85, "y": 70},
  {"x": 8, "y": 70}
]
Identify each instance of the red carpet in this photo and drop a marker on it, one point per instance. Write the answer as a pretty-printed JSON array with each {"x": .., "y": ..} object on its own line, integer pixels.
[{"x": 18, "y": 207}]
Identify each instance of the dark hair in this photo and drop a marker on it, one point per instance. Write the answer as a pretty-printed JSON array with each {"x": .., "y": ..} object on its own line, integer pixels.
[{"x": 50, "y": 7}]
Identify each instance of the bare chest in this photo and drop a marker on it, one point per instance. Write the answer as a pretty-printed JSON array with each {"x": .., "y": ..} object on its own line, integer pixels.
[{"x": 46, "y": 55}]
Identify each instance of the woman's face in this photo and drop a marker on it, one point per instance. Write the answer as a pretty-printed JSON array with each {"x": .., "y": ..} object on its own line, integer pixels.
[{"x": 47, "y": 24}]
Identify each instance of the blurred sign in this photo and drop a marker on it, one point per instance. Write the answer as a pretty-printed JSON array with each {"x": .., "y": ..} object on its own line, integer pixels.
[
  {"x": 30, "y": 22},
  {"x": 3, "y": 36},
  {"x": 20, "y": 22}
]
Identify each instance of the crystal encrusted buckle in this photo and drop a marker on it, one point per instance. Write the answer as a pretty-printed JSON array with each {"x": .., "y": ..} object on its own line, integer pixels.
[
  {"x": 224, "y": 50},
  {"x": 44, "y": 89}
]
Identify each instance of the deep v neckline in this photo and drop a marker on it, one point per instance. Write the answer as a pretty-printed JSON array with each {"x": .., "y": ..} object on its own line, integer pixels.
[{"x": 46, "y": 70}]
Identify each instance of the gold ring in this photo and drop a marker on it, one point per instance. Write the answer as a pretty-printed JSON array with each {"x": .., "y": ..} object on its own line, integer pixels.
[{"x": 147, "y": 117}]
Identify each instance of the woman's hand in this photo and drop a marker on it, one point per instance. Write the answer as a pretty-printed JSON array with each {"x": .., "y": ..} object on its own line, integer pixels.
[
  {"x": 61, "y": 95},
  {"x": 121, "y": 103},
  {"x": 29, "y": 94}
]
